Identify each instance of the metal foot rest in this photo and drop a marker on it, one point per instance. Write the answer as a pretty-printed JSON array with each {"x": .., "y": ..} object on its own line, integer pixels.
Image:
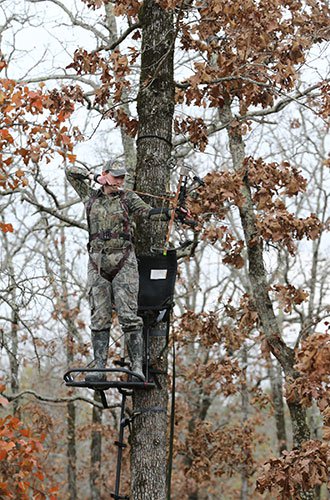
[{"x": 102, "y": 385}]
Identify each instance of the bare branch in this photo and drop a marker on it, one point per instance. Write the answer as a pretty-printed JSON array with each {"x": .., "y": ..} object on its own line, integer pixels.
[
  {"x": 253, "y": 115},
  {"x": 54, "y": 213},
  {"x": 64, "y": 76},
  {"x": 75, "y": 21},
  {"x": 119, "y": 40},
  {"x": 47, "y": 399}
]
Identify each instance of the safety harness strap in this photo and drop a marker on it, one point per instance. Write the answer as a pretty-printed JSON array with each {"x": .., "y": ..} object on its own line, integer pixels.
[
  {"x": 110, "y": 276},
  {"x": 107, "y": 235}
]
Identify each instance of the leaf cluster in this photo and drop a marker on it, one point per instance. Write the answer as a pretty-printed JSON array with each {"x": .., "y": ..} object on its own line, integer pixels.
[
  {"x": 21, "y": 467},
  {"x": 251, "y": 51},
  {"x": 209, "y": 328},
  {"x": 289, "y": 295},
  {"x": 32, "y": 128},
  {"x": 269, "y": 184},
  {"x": 216, "y": 451},
  {"x": 296, "y": 471},
  {"x": 313, "y": 364}
]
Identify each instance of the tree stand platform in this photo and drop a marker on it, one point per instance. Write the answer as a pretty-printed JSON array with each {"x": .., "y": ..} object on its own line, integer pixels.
[{"x": 157, "y": 280}]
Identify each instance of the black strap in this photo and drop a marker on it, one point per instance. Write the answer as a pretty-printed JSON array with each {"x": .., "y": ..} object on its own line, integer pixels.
[
  {"x": 171, "y": 438},
  {"x": 153, "y": 136},
  {"x": 160, "y": 211}
]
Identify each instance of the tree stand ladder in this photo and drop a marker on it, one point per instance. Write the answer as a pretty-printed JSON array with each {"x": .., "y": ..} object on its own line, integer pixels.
[{"x": 157, "y": 280}]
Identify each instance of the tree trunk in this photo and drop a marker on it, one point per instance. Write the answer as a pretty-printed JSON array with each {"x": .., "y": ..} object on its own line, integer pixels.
[
  {"x": 127, "y": 141},
  {"x": 71, "y": 451},
  {"x": 276, "y": 382},
  {"x": 96, "y": 449},
  {"x": 245, "y": 415},
  {"x": 71, "y": 428},
  {"x": 71, "y": 334},
  {"x": 155, "y": 109},
  {"x": 259, "y": 285},
  {"x": 13, "y": 357},
  {"x": 11, "y": 345}
]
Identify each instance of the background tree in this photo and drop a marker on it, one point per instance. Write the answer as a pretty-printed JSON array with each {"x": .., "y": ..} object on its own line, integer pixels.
[{"x": 237, "y": 69}]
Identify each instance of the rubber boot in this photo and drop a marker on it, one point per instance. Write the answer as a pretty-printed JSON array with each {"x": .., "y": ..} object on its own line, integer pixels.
[
  {"x": 100, "y": 342},
  {"x": 135, "y": 353}
]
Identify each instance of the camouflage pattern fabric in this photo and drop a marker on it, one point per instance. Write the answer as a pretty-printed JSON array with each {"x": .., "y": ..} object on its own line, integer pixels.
[
  {"x": 122, "y": 291},
  {"x": 108, "y": 212},
  {"x": 112, "y": 213}
]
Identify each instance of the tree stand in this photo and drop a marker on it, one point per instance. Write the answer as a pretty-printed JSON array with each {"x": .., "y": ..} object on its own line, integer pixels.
[{"x": 157, "y": 274}]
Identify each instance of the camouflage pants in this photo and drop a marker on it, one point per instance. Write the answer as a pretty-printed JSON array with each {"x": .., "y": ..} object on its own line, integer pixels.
[{"x": 122, "y": 291}]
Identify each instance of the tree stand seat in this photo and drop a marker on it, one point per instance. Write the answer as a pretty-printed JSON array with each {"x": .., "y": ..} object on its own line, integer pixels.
[{"x": 157, "y": 274}]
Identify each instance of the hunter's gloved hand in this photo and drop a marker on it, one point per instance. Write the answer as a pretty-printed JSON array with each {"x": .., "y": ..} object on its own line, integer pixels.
[
  {"x": 185, "y": 217},
  {"x": 182, "y": 213}
]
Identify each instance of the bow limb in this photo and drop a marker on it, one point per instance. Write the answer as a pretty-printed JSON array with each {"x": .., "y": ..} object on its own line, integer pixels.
[{"x": 171, "y": 221}]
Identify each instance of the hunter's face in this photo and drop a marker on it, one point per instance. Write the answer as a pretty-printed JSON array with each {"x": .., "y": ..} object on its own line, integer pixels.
[{"x": 117, "y": 181}]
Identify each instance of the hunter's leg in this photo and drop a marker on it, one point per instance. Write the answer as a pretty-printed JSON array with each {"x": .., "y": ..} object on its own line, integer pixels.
[
  {"x": 101, "y": 309},
  {"x": 125, "y": 287}
]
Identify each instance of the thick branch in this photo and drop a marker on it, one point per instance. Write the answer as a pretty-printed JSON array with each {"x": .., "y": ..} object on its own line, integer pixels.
[
  {"x": 117, "y": 42},
  {"x": 46, "y": 399}
]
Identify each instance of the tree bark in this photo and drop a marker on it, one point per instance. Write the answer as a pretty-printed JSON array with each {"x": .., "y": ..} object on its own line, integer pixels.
[
  {"x": 155, "y": 109},
  {"x": 71, "y": 451},
  {"x": 276, "y": 382},
  {"x": 71, "y": 334},
  {"x": 11, "y": 345},
  {"x": 13, "y": 357},
  {"x": 127, "y": 141},
  {"x": 259, "y": 285},
  {"x": 96, "y": 449},
  {"x": 245, "y": 415}
]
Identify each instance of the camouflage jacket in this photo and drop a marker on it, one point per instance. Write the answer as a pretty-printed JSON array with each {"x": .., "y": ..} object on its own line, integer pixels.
[{"x": 109, "y": 218}]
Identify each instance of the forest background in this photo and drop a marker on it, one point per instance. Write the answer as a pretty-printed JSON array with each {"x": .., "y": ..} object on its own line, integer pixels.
[{"x": 240, "y": 94}]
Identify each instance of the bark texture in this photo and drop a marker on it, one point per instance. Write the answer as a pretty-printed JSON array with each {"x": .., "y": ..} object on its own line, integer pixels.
[
  {"x": 276, "y": 382},
  {"x": 96, "y": 448},
  {"x": 259, "y": 284},
  {"x": 127, "y": 141},
  {"x": 245, "y": 473},
  {"x": 71, "y": 451},
  {"x": 155, "y": 109},
  {"x": 10, "y": 342}
]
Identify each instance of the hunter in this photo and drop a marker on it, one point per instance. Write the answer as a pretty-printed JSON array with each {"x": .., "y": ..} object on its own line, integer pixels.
[{"x": 112, "y": 268}]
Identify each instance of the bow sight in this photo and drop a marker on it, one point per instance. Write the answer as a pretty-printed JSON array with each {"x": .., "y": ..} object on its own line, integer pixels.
[
  {"x": 187, "y": 188},
  {"x": 184, "y": 188}
]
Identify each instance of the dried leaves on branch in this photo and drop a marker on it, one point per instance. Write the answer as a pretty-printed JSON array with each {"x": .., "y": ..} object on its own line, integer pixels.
[
  {"x": 33, "y": 129},
  {"x": 21, "y": 459},
  {"x": 296, "y": 471},
  {"x": 271, "y": 184},
  {"x": 305, "y": 468},
  {"x": 251, "y": 50},
  {"x": 249, "y": 53}
]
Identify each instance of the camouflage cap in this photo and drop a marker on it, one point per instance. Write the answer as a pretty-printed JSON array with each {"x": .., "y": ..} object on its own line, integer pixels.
[{"x": 115, "y": 167}]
